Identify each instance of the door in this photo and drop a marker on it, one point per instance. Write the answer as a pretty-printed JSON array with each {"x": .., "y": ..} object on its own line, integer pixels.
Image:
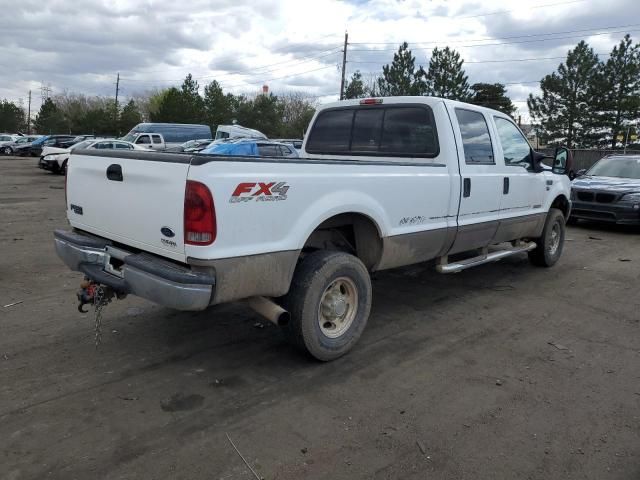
[
  {"x": 523, "y": 189},
  {"x": 481, "y": 180}
]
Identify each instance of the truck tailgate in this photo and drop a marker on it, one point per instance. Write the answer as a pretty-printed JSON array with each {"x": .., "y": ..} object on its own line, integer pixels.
[{"x": 135, "y": 198}]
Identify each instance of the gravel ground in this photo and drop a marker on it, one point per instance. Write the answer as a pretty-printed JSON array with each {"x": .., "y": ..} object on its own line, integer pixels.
[{"x": 505, "y": 371}]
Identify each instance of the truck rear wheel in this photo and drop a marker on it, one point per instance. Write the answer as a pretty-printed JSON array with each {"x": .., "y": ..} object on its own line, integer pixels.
[
  {"x": 329, "y": 302},
  {"x": 550, "y": 244}
]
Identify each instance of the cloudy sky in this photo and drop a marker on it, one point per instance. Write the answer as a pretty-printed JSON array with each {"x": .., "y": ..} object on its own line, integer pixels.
[{"x": 291, "y": 45}]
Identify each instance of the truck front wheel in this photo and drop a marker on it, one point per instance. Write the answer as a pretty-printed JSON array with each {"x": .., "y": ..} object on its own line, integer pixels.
[
  {"x": 329, "y": 301},
  {"x": 550, "y": 244}
]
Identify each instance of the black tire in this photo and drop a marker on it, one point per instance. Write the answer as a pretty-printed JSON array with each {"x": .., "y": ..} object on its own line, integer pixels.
[
  {"x": 550, "y": 244},
  {"x": 311, "y": 283},
  {"x": 7, "y": 150},
  {"x": 63, "y": 168}
]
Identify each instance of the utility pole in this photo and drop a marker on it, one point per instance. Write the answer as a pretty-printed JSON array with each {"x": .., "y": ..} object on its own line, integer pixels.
[
  {"x": 29, "y": 115},
  {"x": 344, "y": 64},
  {"x": 117, "y": 90}
]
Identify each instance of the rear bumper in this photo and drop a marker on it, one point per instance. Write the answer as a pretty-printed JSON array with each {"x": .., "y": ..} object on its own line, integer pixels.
[
  {"x": 140, "y": 274},
  {"x": 623, "y": 214}
]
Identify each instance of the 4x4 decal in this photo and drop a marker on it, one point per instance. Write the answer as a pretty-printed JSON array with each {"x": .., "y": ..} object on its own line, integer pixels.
[{"x": 260, "y": 192}]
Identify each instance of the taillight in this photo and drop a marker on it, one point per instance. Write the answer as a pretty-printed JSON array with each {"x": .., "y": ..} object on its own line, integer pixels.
[
  {"x": 199, "y": 215},
  {"x": 66, "y": 177}
]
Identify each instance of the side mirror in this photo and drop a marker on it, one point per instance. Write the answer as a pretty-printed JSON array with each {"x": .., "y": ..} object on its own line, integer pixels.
[
  {"x": 562, "y": 161},
  {"x": 536, "y": 161}
]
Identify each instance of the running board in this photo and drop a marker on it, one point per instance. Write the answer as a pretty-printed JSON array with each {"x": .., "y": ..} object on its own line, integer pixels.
[{"x": 487, "y": 257}]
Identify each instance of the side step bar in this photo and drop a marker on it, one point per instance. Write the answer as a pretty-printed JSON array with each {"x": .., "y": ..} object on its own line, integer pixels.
[{"x": 487, "y": 257}]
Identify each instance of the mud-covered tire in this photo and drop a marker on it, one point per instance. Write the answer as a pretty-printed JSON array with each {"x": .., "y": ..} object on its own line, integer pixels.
[
  {"x": 325, "y": 283},
  {"x": 550, "y": 244}
]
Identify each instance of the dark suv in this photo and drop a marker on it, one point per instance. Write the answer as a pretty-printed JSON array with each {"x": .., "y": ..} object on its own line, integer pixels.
[{"x": 60, "y": 141}]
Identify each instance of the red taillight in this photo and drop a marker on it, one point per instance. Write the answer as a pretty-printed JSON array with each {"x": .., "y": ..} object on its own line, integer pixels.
[
  {"x": 199, "y": 215},
  {"x": 370, "y": 101},
  {"x": 66, "y": 178}
]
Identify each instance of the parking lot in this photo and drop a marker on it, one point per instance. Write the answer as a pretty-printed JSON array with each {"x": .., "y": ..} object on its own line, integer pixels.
[{"x": 503, "y": 371}]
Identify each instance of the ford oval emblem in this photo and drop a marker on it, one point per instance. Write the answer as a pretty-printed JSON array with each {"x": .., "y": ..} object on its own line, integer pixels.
[{"x": 167, "y": 232}]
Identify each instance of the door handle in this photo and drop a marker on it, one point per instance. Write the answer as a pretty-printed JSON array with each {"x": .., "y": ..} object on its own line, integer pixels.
[
  {"x": 466, "y": 187},
  {"x": 114, "y": 172},
  {"x": 505, "y": 185}
]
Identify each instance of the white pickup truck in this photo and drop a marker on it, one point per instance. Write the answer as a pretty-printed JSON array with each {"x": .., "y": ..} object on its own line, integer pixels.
[{"x": 382, "y": 183}]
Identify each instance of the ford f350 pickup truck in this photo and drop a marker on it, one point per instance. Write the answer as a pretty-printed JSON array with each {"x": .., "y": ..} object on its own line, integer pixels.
[{"x": 383, "y": 182}]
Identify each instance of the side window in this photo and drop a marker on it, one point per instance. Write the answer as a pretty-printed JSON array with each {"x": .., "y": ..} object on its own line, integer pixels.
[
  {"x": 269, "y": 150},
  {"x": 331, "y": 132},
  {"x": 156, "y": 139},
  {"x": 51, "y": 141},
  {"x": 123, "y": 146},
  {"x": 515, "y": 148},
  {"x": 408, "y": 131},
  {"x": 476, "y": 141},
  {"x": 143, "y": 140},
  {"x": 103, "y": 145}
]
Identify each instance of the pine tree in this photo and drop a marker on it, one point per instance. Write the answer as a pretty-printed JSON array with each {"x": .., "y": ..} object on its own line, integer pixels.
[
  {"x": 129, "y": 117},
  {"x": 492, "y": 95},
  {"x": 619, "y": 89},
  {"x": 401, "y": 77},
  {"x": 193, "y": 102},
  {"x": 566, "y": 110},
  {"x": 355, "y": 87},
  {"x": 446, "y": 77},
  {"x": 12, "y": 117},
  {"x": 219, "y": 108},
  {"x": 49, "y": 119}
]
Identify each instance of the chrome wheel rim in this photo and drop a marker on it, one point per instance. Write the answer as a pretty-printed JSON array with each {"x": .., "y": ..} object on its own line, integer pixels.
[
  {"x": 338, "y": 307},
  {"x": 554, "y": 241}
]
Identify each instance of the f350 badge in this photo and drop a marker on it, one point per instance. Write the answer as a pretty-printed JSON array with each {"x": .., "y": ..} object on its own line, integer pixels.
[{"x": 259, "y": 192}]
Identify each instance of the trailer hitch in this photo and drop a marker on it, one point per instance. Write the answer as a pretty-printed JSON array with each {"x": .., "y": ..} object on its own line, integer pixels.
[{"x": 89, "y": 290}]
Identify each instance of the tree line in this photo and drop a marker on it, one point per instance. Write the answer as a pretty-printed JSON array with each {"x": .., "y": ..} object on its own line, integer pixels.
[{"x": 585, "y": 103}]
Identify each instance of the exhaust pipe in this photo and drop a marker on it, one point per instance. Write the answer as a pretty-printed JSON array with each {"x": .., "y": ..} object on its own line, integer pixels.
[{"x": 269, "y": 310}]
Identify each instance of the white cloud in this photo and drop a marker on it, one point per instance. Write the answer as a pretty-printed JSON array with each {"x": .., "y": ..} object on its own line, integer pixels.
[{"x": 292, "y": 45}]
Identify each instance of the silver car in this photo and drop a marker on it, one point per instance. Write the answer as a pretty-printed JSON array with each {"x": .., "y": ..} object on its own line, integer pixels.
[{"x": 19, "y": 145}]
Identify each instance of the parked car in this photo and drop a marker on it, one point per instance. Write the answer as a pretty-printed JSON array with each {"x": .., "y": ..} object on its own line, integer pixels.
[
  {"x": 56, "y": 159},
  {"x": 147, "y": 141},
  {"x": 382, "y": 183},
  {"x": 297, "y": 143},
  {"x": 224, "y": 132},
  {"x": 609, "y": 191},
  {"x": 6, "y": 140},
  {"x": 248, "y": 147},
  {"x": 16, "y": 147},
  {"x": 172, "y": 134},
  {"x": 60, "y": 141},
  {"x": 192, "y": 146}
]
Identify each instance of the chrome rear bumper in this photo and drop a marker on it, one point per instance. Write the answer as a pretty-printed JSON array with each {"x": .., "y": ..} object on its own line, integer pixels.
[{"x": 140, "y": 274}]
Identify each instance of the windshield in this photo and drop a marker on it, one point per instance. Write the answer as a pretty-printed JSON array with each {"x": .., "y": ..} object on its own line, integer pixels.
[
  {"x": 130, "y": 137},
  {"x": 82, "y": 145},
  {"x": 617, "y": 167}
]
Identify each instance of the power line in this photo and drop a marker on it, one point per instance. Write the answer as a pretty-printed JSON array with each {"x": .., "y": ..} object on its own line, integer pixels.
[
  {"x": 502, "y": 12},
  {"x": 535, "y": 59},
  {"x": 252, "y": 71},
  {"x": 598, "y": 29},
  {"x": 497, "y": 43}
]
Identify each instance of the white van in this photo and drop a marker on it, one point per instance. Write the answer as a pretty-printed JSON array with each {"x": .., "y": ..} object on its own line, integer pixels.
[{"x": 237, "y": 131}]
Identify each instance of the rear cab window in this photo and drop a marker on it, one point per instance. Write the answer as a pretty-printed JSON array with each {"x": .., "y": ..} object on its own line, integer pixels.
[{"x": 384, "y": 131}]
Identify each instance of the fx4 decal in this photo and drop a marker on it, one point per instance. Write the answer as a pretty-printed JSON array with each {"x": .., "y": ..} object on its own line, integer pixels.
[{"x": 259, "y": 192}]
